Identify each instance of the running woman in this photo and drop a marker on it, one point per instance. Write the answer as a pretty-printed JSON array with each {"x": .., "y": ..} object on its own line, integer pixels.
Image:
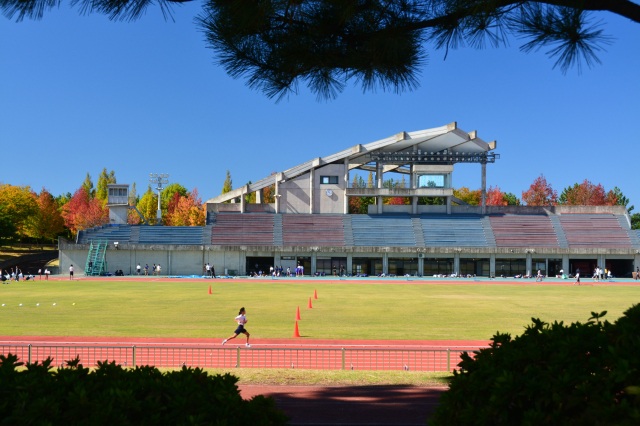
[{"x": 241, "y": 319}]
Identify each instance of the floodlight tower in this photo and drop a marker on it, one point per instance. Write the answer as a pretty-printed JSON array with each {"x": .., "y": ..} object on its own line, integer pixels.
[{"x": 159, "y": 179}]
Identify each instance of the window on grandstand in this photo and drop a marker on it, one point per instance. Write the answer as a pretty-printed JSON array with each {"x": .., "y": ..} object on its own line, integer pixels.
[
  {"x": 331, "y": 266},
  {"x": 539, "y": 264},
  {"x": 365, "y": 266},
  {"x": 438, "y": 266},
  {"x": 478, "y": 267},
  {"x": 401, "y": 267},
  {"x": 329, "y": 180},
  {"x": 510, "y": 267},
  {"x": 431, "y": 181}
]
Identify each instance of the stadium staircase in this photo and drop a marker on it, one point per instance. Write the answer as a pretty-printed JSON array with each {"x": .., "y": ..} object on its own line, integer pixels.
[
  {"x": 134, "y": 237},
  {"x": 488, "y": 232},
  {"x": 96, "y": 258},
  {"x": 348, "y": 231},
  {"x": 557, "y": 226},
  {"x": 417, "y": 231},
  {"x": 277, "y": 230}
]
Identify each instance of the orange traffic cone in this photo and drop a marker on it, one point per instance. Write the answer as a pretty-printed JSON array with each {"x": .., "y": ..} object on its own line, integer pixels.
[
  {"x": 298, "y": 314},
  {"x": 310, "y": 306},
  {"x": 210, "y": 290},
  {"x": 315, "y": 294},
  {"x": 296, "y": 332}
]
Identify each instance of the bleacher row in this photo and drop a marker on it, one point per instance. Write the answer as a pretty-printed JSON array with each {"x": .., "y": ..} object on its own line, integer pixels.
[{"x": 505, "y": 230}]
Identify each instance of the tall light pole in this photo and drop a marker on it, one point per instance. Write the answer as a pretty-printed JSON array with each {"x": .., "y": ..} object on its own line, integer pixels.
[{"x": 159, "y": 179}]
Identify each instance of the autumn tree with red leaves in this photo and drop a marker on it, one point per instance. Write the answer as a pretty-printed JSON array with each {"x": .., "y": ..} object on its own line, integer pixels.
[
  {"x": 83, "y": 212},
  {"x": 495, "y": 197},
  {"x": 587, "y": 194},
  {"x": 186, "y": 210},
  {"x": 540, "y": 193}
]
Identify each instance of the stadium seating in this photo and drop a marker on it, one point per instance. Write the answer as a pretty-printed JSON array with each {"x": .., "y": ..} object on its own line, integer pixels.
[
  {"x": 110, "y": 233},
  {"x": 459, "y": 230},
  {"x": 312, "y": 230},
  {"x": 382, "y": 231},
  {"x": 180, "y": 235},
  {"x": 512, "y": 230},
  {"x": 594, "y": 231},
  {"x": 243, "y": 229}
]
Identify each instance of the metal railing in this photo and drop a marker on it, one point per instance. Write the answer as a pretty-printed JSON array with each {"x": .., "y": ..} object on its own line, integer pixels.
[{"x": 434, "y": 360}]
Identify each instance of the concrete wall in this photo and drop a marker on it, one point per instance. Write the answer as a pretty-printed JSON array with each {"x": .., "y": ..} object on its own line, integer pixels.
[
  {"x": 294, "y": 195},
  {"x": 118, "y": 214}
]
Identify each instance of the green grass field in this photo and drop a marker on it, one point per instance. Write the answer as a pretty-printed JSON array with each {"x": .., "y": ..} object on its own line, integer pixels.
[{"x": 344, "y": 310}]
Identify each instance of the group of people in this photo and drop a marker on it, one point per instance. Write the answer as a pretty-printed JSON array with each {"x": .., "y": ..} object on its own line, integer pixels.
[
  {"x": 15, "y": 274},
  {"x": 209, "y": 270},
  {"x": 155, "y": 270},
  {"x": 600, "y": 274},
  {"x": 278, "y": 271}
]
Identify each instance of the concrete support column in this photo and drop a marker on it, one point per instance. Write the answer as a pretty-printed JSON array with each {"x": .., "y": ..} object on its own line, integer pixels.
[
  {"x": 565, "y": 264},
  {"x": 528, "y": 264},
  {"x": 259, "y": 196},
  {"x": 349, "y": 266},
  {"x": 345, "y": 210},
  {"x": 413, "y": 183},
  {"x": 448, "y": 205},
  {"x": 314, "y": 262},
  {"x": 379, "y": 181},
  {"x": 311, "y": 179},
  {"x": 385, "y": 263},
  {"x": 492, "y": 265},
  {"x": 484, "y": 188},
  {"x": 456, "y": 263},
  {"x": 420, "y": 265},
  {"x": 243, "y": 203},
  {"x": 277, "y": 192}
]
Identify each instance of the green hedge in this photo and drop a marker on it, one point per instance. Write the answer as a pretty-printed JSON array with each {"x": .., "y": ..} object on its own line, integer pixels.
[
  {"x": 553, "y": 374},
  {"x": 111, "y": 395}
]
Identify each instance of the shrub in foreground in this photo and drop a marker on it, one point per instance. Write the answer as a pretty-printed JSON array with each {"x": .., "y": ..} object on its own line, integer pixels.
[
  {"x": 112, "y": 395},
  {"x": 553, "y": 374}
]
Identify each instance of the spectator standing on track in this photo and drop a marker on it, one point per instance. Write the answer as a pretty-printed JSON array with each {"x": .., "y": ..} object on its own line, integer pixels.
[
  {"x": 207, "y": 269},
  {"x": 578, "y": 276},
  {"x": 241, "y": 319},
  {"x": 146, "y": 269},
  {"x": 138, "y": 268},
  {"x": 213, "y": 272},
  {"x": 71, "y": 272}
]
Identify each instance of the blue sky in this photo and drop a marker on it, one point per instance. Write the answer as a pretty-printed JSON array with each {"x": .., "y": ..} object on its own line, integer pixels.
[{"x": 80, "y": 93}]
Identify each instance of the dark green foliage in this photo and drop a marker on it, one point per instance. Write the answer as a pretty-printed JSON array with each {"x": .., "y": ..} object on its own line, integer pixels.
[
  {"x": 554, "y": 374},
  {"x": 112, "y": 395}
]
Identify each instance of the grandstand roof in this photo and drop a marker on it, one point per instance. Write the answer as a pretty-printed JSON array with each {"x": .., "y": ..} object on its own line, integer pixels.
[{"x": 437, "y": 139}]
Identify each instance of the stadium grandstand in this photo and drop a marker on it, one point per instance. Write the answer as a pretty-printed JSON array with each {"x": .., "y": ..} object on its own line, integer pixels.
[{"x": 308, "y": 223}]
